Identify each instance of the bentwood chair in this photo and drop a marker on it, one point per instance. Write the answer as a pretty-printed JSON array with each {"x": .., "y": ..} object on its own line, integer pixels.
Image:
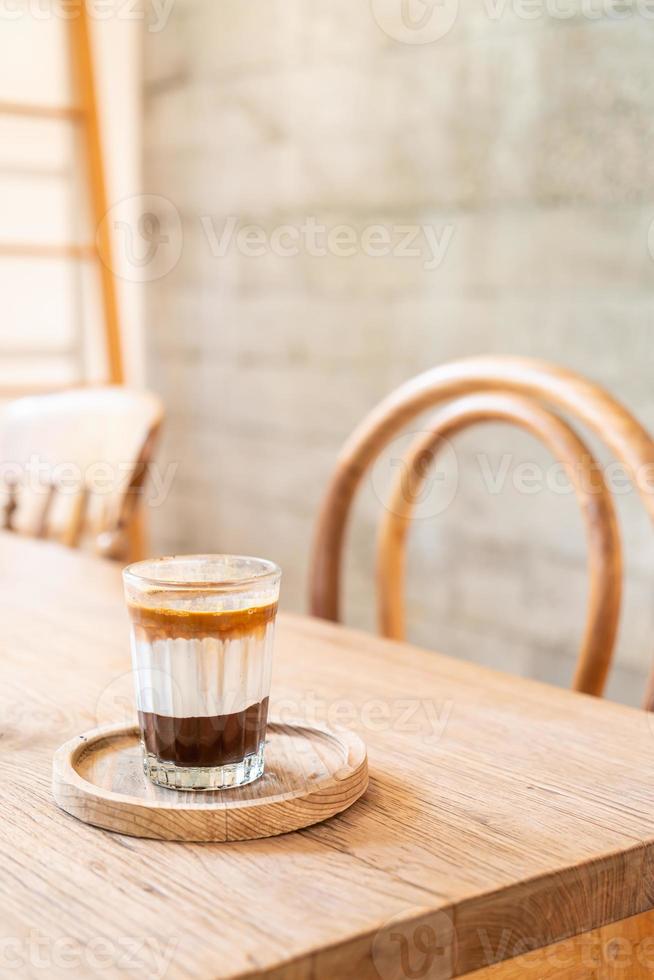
[
  {"x": 465, "y": 393},
  {"x": 73, "y": 467}
]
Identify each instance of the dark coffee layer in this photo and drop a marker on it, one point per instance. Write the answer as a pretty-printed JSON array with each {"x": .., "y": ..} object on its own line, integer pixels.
[{"x": 212, "y": 741}]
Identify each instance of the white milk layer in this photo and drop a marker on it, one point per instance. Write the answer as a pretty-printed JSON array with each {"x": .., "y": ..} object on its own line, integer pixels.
[{"x": 199, "y": 678}]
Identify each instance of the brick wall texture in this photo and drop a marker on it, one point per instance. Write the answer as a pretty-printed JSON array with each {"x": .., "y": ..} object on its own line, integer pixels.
[{"x": 295, "y": 143}]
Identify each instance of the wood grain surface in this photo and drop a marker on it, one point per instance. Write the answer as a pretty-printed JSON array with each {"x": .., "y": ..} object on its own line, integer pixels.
[
  {"x": 311, "y": 775},
  {"x": 500, "y": 811}
]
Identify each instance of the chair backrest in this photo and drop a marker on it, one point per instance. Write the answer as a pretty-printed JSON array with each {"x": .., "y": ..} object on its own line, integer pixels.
[
  {"x": 538, "y": 384},
  {"x": 73, "y": 466},
  {"x": 605, "y": 552}
]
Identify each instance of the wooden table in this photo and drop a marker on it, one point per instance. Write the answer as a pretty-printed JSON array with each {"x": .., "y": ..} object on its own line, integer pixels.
[{"x": 503, "y": 815}]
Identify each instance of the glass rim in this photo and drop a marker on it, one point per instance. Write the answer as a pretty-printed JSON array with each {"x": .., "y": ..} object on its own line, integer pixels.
[{"x": 270, "y": 571}]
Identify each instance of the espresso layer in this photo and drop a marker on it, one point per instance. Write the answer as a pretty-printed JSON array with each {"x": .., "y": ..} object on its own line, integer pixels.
[
  {"x": 169, "y": 623},
  {"x": 217, "y": 740}
]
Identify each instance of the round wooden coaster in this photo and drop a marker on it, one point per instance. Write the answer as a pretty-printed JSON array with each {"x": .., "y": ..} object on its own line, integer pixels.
[{"x": 311, "y": 774}]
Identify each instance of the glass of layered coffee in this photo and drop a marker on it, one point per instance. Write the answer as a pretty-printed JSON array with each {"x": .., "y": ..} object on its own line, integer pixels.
[{"x": 202, "y": 645}]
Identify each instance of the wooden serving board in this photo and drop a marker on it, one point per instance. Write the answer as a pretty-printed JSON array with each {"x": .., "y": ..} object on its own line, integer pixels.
[{"x": 311, "y": 774}]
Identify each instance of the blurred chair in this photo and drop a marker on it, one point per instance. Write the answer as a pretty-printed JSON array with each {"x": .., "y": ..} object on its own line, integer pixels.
[
  {"x": 466, "y": 393},
  {"x": 73, "y": 466}
]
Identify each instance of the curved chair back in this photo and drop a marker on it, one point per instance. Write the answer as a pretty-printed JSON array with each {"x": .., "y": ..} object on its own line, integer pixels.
[
  {"x": 539, "y": 385},
  {"x": 73, "y": 466},
  {"x": 605, "y": 553}
]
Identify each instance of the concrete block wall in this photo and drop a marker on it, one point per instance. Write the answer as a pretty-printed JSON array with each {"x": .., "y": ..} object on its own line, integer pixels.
[{"x": 525, "y": 144}]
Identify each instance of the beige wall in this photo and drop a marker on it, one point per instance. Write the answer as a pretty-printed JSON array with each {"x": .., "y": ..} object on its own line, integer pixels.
[{"x": 526, "y": 148}]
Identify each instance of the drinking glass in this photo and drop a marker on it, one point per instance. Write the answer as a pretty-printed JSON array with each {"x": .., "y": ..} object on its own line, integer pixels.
[{"x": 202, "y": 643}]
